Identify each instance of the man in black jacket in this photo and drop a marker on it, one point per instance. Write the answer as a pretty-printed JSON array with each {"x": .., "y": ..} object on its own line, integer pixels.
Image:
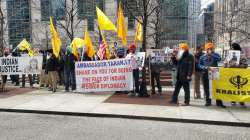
[
  {"x": 51, "y": 69},
  {"x": 185, "y": 62},
  {"x": 69, "y": 70},
  {"x": 155, "y": 69}
]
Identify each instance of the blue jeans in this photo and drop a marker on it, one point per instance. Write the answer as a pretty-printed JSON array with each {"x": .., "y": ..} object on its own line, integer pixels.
[{"x": 70, "y": 79}]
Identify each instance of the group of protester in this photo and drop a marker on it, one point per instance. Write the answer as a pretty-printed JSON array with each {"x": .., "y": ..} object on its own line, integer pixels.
[
  {"x": 61, "y": 70},
  {"x": 185, "y": 62}
]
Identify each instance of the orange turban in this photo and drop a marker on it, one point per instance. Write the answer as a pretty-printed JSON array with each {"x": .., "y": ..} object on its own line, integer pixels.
[
  {"x": 184, "y": 46},
  {"x": 209, "y": 46},
  {"x": 132, "y": 47}
]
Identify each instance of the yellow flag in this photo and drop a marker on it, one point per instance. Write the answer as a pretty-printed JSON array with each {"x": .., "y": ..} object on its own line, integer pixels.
[
  {"x": 25, "y": 45},
  {"x": 104, "y": 22},
  {"x": 231, "y": 84},
  {"x": 75, "y": 44},
  {"x": 138, "y": 33},
  {"x": 55, "y": 39},
  {"x": 89, "y": 45},
  {"x": 122, "y": 29}
]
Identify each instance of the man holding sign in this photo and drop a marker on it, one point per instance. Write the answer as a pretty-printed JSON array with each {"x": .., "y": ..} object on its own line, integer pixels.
[{"x": 135, "y": 68}]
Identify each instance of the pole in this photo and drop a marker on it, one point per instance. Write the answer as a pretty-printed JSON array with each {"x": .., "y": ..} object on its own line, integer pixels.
[
  {"x": 149, "y": 70},
  {"x": 195, "y": 49}
]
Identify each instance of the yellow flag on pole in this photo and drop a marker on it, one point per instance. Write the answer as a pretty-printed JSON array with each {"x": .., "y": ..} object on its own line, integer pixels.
[
  {"x": 25, "y": 45},
  {"x": 104, "y": 22},
  {"x": 75, "y": 44},
  {"x": 138, "y": 33},
  {"x": 55, "y": 39},
  {"x": 122, "y": 29},
  {"x": 89, "y": 45}
]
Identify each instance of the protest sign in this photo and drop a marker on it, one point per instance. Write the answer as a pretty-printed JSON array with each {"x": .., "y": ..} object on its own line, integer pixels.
[
  {"x": 20, "y": 65},
  {"x": 231, "y": 84},
  {"x": 99, "y": 76},
  {"x": 140, "y": 58},
  {"x": 156, "y": 55},
  {"x": 233, "y": 57}
]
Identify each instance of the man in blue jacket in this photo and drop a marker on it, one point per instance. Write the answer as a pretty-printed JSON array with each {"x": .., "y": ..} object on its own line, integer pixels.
[{"x": 208, "y": 60}]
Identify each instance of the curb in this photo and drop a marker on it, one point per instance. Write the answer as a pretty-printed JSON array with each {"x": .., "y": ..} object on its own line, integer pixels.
[{"x": 207, "y": 122}]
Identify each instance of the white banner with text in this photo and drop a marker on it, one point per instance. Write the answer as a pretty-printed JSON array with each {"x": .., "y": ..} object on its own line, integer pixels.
[
  {"x": 20, "y": 65},
  {"x": 100, "y": 76}
]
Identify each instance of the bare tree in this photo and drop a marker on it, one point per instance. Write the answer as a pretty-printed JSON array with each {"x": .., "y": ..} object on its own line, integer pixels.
[
  {"x": 143, "y": 9},
  {"x": 232, "y": 22},
  {"x": 71, "y": 20},
  {"x": 1, "y": 29},
  {"x": 155, "y": 23}
]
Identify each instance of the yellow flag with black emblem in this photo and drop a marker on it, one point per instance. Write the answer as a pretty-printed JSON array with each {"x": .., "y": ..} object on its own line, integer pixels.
[{"x": 231, "y": 84}]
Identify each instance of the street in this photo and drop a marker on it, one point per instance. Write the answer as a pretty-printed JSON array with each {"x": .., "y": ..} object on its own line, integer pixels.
[{"x": 17, "y": 126}]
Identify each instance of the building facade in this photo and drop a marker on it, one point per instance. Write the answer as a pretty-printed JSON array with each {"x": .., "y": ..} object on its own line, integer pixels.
[
  {"x": 232, "y": 24},
  {"x": 29, "y": 19},
  {"x": 194, "y": 9},
  {"x": 206, "y": 25},
  {"x": 179, "y": 18},
  {"x": 174, "y": 20}
]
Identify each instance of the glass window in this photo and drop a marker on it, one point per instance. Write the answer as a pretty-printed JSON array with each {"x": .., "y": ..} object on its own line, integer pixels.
[
  {"x": 91, "y": 24},
  {"x": 55, "y": 8},
  {"x": 18, "y": 12},
  {"x": 174, "y": 20},
  {"x": 86, "y": 8}
]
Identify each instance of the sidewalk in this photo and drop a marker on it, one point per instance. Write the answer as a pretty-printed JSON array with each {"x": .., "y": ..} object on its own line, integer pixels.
[{"x": 94, "y": 103}]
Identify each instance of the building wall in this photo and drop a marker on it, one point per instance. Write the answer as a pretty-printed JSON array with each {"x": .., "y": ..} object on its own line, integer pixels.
[
  {"x": 222, "y": 10},
  {"x": 174, "y": 22},
  {"x": 18, "y": 21},
  {"x": 194, "y": 9},
  {"x": 206, "y": 25},
  {"x": 40, "y": 33},
  {"x": 4, "y": 9}
]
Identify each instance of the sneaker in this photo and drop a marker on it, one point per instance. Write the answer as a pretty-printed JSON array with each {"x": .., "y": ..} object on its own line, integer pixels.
[
  {"x": 208, "y": 104},
  {"x": 185, "y": 104},
  {"x": 74, "y": 91},
  {"x": 65, "y": 90},
  {"x": 242, "y": 104},
  {"x": 173, "y": 102},
  {"x": 146, "y": 95},
  {"x": 131, "y": 94},
  {"x": 137, "y": 95},
  {"x": 233, "y": 103},
  {"x": 152, "y": 93},
  {"x": 222, "y": 106}
]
